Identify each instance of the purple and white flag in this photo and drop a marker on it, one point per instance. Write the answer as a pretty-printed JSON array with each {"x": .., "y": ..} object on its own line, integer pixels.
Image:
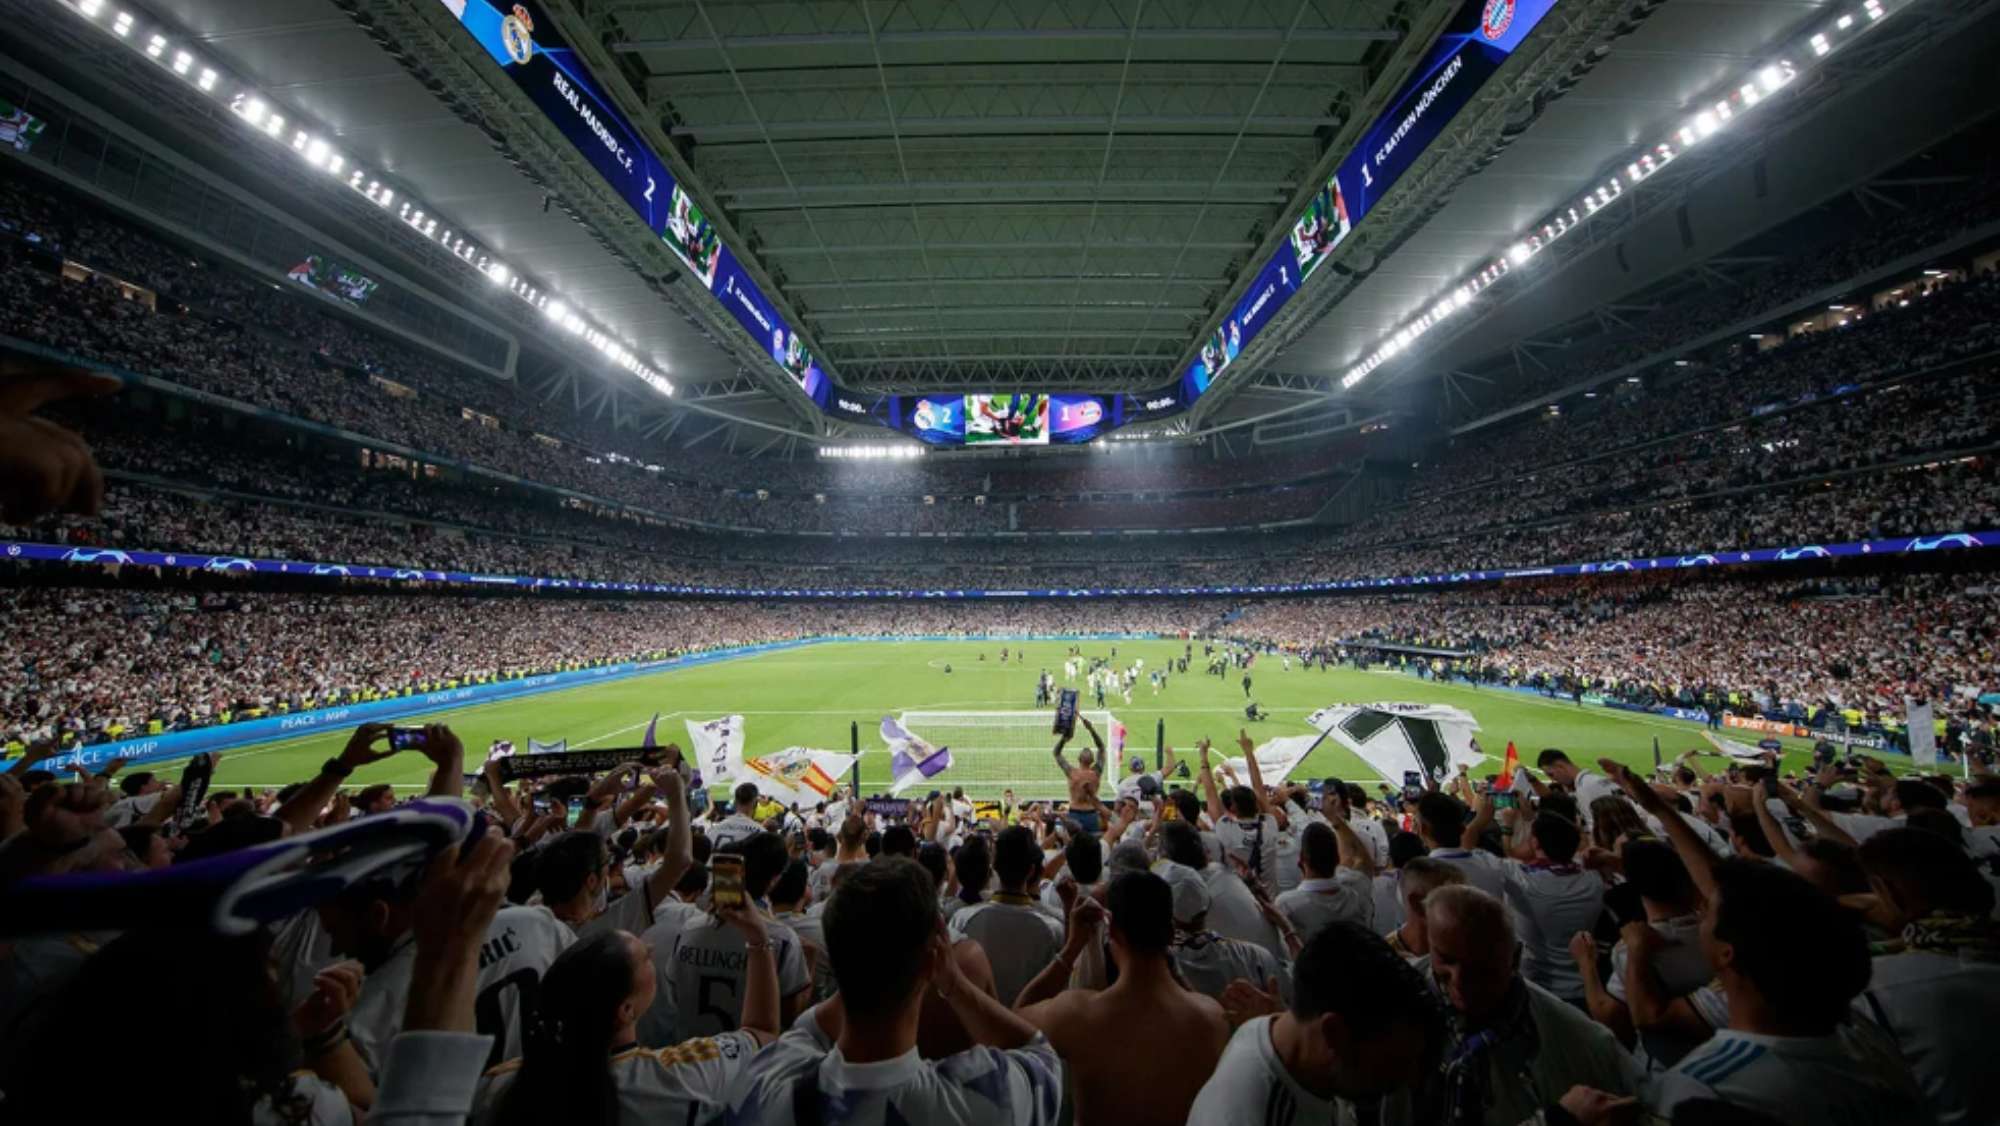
[{"x": 912, "y": 760}]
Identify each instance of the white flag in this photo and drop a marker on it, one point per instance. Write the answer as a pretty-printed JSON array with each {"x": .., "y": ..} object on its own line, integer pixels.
[
  {"x": 1275, "y": 760},
  {"x": 718, "y": 750},
  {"x": 911, "y": 759},
  {"x": 1432, "y": 740},
  {"x": 799, "y": 775},
  {"x": 1741, "y": 752},
  {"x": 1923, "y": 733},
  {"x": 537, "y": 747}
]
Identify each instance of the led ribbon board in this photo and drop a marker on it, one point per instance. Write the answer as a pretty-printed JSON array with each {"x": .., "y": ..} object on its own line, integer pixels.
[
  {"x": 1477, "y": 41},
  {"x": 524, "y": 41}
]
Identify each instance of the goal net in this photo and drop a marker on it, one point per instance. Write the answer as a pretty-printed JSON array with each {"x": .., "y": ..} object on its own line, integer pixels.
[{"x": 995, "y": 751}]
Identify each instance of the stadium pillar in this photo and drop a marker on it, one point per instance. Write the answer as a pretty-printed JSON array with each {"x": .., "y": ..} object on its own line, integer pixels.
[
  {"x": 854, "y": 744},
  {"x": 1160, "y": 744}
]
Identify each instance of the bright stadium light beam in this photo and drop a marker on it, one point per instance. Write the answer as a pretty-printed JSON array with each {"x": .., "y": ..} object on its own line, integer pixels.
[
  {"x": 258, "y": 113},
  {"x": 1745, "y": 93}
]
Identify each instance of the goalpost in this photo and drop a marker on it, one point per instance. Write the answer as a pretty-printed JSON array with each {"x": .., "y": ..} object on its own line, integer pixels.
[{"x": 995, "y": 751}]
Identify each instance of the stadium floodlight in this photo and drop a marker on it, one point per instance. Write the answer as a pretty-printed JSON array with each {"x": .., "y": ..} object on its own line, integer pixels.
[
  {"x": 318, "y": 153},
  {"x": 556, "y": 311},
  {"x": 1749, "y": 91}
]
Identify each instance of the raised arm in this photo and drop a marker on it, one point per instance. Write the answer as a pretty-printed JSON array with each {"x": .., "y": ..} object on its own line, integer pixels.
[
  {"x": 1468, "y": 838},
  {"x": 1085, "y": 914},
  {"x": 447, "y": 757},
  {"x": 761, "y": 1015},
  {"x": 1169, "y": 762},
  {"x": 503, "y": 799},
  {"x": 300, "y": 812},
  {"x": 1061, "y": 762},
  {"x": 1096, "y": 737},
  {"x": 1695, "y": 854},
  {"x": 986, "y": 1020},
  {"x": 1208, "y": 784},
  {"x": 1781, "y": 841},
  {"x": 1256, "y": 772},
  {"x": 679, "y": 855},
  {"x": 1354, "y": 852}
]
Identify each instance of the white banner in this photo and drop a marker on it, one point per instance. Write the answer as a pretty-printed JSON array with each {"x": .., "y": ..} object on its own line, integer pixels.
[
  {"x": 1741, "y": 752},
  {"x": 718, "y": 751},
  {"x": 1433, "y": 740},
  {"x": 799, "y": 775},
  {"x": 1275, "y": 760},
  {"x": 1923, "y": 733}
]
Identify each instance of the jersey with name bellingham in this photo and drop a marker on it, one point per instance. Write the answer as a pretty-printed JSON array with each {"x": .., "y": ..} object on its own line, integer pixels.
[{"x": 711, "y": 974}]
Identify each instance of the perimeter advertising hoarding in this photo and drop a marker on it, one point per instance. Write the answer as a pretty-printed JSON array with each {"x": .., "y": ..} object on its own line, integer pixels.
[
  {"x": 1471, "y": 49},
  {"x": 525, "y": 44}
]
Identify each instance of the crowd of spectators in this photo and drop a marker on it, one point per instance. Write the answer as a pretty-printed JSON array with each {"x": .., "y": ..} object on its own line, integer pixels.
[
  {"x": 1567, "y": 944},
  {"x": 92, "y": 664},
  {"x": 87, "y": 665}
]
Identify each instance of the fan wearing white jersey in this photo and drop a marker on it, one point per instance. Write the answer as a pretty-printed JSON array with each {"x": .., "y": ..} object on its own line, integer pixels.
[
  {"x": 1338, "y": 880},
  {"x": 1550, "y": 896},
  {"x": 711, "y": 963},
  {"x": 583, "y": 1060},
  {"x": 740, "y": 824},
  {"x": 856, "y": 1056},
  {"x": 1936, "y": 990},
  {"x": 1791, "y": 961},
  {"x": 1243, "y": 820},
  {"x": 1019, "y": 935},
  {"x": 1360, "y": 1029}
]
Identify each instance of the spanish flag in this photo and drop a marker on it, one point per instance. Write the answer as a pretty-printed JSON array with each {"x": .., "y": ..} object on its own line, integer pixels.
[{"x": 1506, "y": 779}]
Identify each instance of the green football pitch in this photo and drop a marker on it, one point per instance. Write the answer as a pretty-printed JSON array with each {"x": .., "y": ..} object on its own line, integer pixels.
[{"x": 810, "y": 695}]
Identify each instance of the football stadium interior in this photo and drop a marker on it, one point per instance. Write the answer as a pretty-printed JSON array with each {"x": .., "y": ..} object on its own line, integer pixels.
[{"x": 682, "y": 423}]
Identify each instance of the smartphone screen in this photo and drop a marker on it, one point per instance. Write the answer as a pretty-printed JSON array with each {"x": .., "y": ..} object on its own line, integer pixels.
[
  {"x": 406, "y": 738},
  {"x": 575, "y": 807},
  {"x": 725, "y": 886}
]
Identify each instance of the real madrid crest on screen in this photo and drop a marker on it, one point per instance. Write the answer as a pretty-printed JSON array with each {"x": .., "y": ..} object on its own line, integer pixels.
[{"x": 518, "y": 32}]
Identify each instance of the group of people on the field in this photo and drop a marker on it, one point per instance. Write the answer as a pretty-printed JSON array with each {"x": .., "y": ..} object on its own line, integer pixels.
[{"x": 1582, "y": 945}]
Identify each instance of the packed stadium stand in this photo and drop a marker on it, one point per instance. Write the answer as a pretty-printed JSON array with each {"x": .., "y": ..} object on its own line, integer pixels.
[{"x": 1494, "y": 503}]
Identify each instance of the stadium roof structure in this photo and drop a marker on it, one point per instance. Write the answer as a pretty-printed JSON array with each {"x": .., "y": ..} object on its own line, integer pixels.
[{"x": 1003, "y": 195}]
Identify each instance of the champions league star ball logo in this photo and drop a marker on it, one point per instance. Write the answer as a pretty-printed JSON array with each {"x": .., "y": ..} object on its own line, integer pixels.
[
  {"x": 1493, "y": 22},
  {"x": 517, "y": 32}
]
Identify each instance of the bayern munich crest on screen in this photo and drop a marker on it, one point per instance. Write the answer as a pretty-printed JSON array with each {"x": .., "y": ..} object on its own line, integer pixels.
[{"x": 1497, "y": 18}]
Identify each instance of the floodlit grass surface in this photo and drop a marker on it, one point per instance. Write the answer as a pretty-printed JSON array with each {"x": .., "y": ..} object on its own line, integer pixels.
[{"x": 809, "y": 696}]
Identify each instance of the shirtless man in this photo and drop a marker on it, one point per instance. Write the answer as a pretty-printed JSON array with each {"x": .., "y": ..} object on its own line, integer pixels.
[
  {"x": 1084, "y": 808},
  {"x": 1145, "y": 1016}
]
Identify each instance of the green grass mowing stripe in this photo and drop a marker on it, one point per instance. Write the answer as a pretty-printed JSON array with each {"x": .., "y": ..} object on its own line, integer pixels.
[{"x": 808, "y": 697}]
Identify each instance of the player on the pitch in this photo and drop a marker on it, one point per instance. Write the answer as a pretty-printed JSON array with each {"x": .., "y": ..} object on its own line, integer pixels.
[{"x": 1084, "y": 808}]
